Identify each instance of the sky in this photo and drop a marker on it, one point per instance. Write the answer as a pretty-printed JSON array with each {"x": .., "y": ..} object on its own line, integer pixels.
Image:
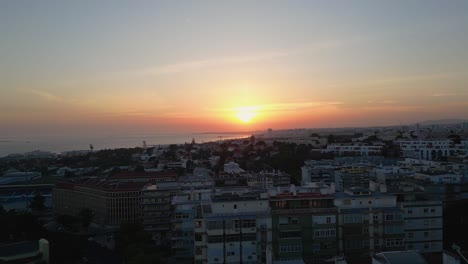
[{"x": 97, "y": 67}]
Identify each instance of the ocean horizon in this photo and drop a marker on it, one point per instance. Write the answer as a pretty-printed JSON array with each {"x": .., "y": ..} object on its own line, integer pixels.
[{"x": 59, "y": 144}]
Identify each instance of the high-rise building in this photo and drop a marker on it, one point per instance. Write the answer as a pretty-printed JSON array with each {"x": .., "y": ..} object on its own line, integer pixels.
[
  {"x": 368, "y": 222},
  {"x": 234, "y": 227},
  {"x": 304, "y": 226}
]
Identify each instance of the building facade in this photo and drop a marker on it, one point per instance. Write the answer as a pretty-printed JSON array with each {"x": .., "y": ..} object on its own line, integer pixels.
[
  {"x": 233, "y": 228},
  {"x": 304, "y": 227}
]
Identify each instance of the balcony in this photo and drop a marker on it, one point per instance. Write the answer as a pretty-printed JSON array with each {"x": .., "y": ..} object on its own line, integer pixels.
[{"x": 289, "y": 227}]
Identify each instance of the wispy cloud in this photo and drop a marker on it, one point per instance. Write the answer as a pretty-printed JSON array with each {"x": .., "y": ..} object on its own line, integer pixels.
[
  {"x": 400, "y": 79},
  {"x": 210, "y": 63},
  {"x": 442, "y": 94},
  {"x": 280, "y": 106},
  {"x": 46, "y": 95}
]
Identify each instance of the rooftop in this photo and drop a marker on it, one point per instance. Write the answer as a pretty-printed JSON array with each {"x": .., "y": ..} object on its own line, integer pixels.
[
  {"x": 300, "y": 196},
  {"x": 400, "y": 257},
  {"x": 18, "y": 248},
  {"x": 101, "y": 184},
  {"x": 143, "y": 175}
]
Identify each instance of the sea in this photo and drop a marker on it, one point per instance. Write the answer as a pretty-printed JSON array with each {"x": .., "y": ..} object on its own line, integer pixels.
[{"x": 59, "y": 144}]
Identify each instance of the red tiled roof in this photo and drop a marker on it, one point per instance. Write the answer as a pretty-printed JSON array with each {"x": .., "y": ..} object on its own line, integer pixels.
[{"x": 101, "y": 184}]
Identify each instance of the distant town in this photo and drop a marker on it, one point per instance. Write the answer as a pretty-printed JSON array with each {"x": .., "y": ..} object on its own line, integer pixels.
[{"x": 332, "y": 195}]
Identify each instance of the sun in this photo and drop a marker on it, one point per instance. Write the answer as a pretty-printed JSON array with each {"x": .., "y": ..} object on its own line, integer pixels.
[{"x": 246, "y": 114}]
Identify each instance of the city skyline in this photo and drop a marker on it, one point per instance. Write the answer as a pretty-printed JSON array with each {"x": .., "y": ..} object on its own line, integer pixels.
[{"x": 154, "y": 67}]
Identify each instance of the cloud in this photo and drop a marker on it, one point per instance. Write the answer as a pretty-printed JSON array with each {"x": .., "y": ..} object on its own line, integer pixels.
[
  {"x": 210, "y": 63},
  {"x": 444, "y": 94},
  {"x": 46, "y": 95},
  {"x": 400, "y": 79},
  {"x": 280, "y": 106}
]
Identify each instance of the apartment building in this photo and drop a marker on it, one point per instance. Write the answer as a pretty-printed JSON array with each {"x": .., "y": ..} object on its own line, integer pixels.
[
  {"x": 304, "y": 226},
  {"x": 234, "y": 227},
  {"x": 185, "y": 206},
  {"x": 111, "y": 202},
  {"x": 431, "y": 149},
  {"x": 348, "y": 177},
  {"x": 157, "y": 211},
  {"x": 317, "y": 172},
  {"x": 354, "y": 149},
  {"x": 368, "y": 222}
]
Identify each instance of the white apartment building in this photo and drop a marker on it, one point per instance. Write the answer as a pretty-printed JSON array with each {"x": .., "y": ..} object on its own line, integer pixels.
[
  {"x": 423, "y": 225},
  {"x": 317, "y": 173},
  {"x": 357, "y": 149},
  {"x": 439, "y": 177},
  {"x": 368, "y": 222},
  {"x": 431, "y": 149},
  {"x": 235, "y": 227}
]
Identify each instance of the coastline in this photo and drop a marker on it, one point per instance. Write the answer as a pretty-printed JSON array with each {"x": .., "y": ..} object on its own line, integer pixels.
[{"x": 58, "y": 145}]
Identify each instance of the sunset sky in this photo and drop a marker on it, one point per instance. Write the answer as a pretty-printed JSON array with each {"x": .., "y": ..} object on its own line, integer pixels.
[{"x": 94, "y": 67}]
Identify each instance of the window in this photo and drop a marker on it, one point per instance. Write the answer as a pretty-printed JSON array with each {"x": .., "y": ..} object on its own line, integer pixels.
[
  {"x": 432, "y": 210},
  {"x": 348, "y": 219},
  {"x": 212, "y": 239},
  {"x": 290, "y": 234},
  {"x": 365, "y": 230},
  {"x": 324, "y": 219},
  {"x": 294, "y": 221},
  {"x": 410, "y": 211},
  {"x": 393, "y": 216},
  {"x": 394, "y": 229},
  {"x": 395, "y": 242},
  {"x": 410, "y": 235},
  {"x": 235, "y": 206},
  {"x": 325, "y": 233},
  {"x": 290, "y": 248},
  {"x": 283, "y": 220},
  {"x": 426, "y": 210},
  {"x": 230, "y": 253},
  {"x": 426, "y": 234},
  {"x": 215, "y": 225},
  {"x": 248, "y": 223},
  {"x": 377, "y": 243}
]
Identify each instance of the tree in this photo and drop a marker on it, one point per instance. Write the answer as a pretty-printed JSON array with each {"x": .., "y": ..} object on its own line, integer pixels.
[
  {"x": 455, "y": 138},
  {"x": 86, "y": 216},
  {"x": 37, "y": 203},
  {"x": 135, "y": 244}
]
